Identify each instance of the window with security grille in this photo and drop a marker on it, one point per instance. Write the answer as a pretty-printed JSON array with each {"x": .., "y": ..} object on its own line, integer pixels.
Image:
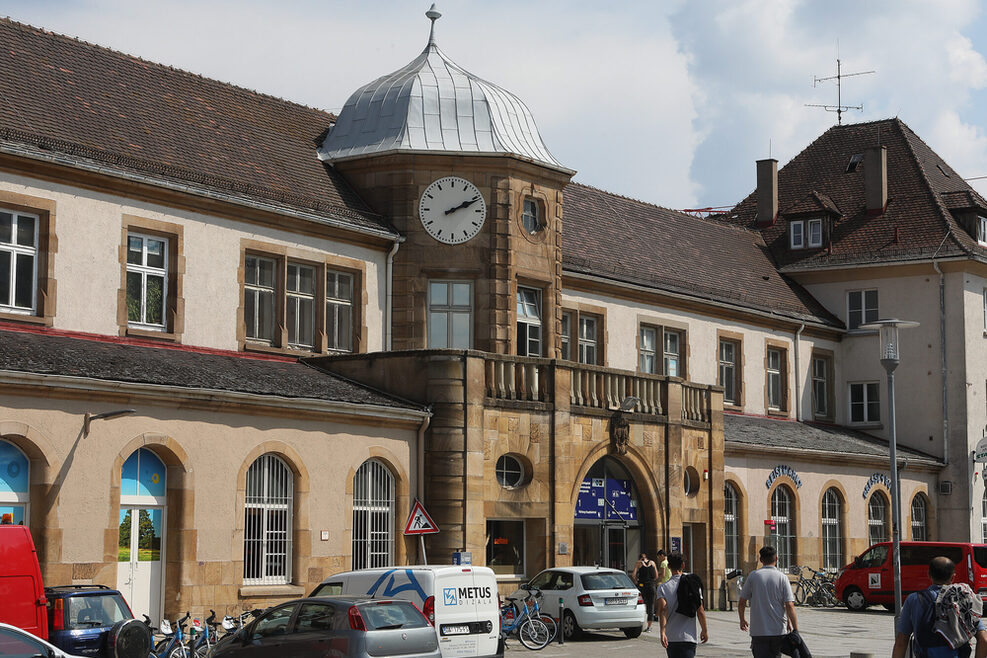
[
  {"x": 529, "y": 331},
  {"x": 832, "y": 530},
  {"x": 731, "y": 517},
  {"x": 339, "y": 311},
  {"x": 268, "y": 520},
  {"x": 783, "y": 535},
  {"x": 877, "y": 518},
  {"x": 147, "y": 281},
  {"x": 920, "y": 529},
  {"x": 18, "y": 262},
  {"x": 373, "y": 516}
]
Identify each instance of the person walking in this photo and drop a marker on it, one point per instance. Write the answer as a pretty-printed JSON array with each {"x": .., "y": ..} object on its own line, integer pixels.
[
  {"x": 646, "y": 576},
  {"x": 663, "y": 571},
  {"x": 915, "y": 619},
  {"x": 678, "y": 631},
  {"x": 770, "y": 595}
]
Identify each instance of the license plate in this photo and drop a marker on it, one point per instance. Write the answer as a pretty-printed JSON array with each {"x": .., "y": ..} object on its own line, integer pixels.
[
  {"x": 455, "y": 630},
  {"x": 615, "y": 601}
]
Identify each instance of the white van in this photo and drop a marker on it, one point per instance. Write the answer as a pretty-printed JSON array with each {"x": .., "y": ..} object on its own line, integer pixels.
[{"x": 460, "y": 601}]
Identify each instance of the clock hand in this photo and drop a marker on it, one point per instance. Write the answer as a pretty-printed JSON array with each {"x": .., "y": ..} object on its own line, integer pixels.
[{"x": 464, "y": 204}]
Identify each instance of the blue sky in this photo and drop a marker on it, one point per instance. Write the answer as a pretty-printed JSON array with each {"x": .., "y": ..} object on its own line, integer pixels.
[{"x": 669, "y": 102}]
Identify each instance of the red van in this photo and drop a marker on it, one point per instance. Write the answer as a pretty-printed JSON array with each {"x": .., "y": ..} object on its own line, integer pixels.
[
  {"x": 21, "y": 590},
  {"x": 869, "y": 579}
]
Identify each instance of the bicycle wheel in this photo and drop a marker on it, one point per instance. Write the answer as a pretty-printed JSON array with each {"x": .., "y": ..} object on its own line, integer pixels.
[
  {"x": 800, "y": 593},
  {"x": 829, "y": 595},
  {"x": 180, "y": 651},
  {"x": 550, "y": 623},
  {"x": 533, "y": 634}
]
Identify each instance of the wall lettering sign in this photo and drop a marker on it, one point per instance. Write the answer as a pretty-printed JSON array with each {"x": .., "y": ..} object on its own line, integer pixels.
[
  {"x": 783, "y": 469},
  {"x": 875, "y": 479}
]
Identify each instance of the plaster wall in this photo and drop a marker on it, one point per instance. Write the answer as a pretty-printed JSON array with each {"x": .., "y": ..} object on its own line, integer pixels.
[
  {"x": 624, "y": 317},
  {"x": 88, "y": 270}
]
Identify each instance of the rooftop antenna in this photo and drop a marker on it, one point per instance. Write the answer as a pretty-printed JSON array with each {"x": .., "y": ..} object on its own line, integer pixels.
[
  {"x": 433, "y": 15},
  {"x": 839, "y": 108}
]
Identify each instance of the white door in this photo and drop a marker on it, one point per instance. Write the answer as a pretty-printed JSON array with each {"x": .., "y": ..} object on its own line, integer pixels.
[{"x": 139, "y": 565}]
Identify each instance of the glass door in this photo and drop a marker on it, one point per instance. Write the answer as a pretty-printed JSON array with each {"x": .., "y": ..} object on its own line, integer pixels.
[
  {"x": 616, "y": 547},
  {"x": 139, "y": 559}
]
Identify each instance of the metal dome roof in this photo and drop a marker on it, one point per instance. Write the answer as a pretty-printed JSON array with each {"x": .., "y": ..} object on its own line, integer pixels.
[{"x": 432, "y": 105}]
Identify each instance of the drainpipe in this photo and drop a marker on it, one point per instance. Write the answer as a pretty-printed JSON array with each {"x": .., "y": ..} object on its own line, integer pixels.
[
  {"x": 798, "y": 375},
  {"x": 389, "y": 300},
  {"x": 942, "y": 359}
]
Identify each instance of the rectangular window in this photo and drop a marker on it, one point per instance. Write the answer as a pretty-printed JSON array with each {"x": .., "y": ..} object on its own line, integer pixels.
[
  {"x": 258, "y": 298},
  {"x": 861, "y": 307},
  {"x": 505, "y": 547},
  {"x": 300, "y": 301},
  {"x": 587, "y": 339},
  {"x": 566, "y": 335},
  {"x": 450, "y": 315},
  {"x": 820, "y": 386},
  {"x": 815, "y": 232},
  {"x": 147, "y": 281},
  {"x": 985, "y": 309},
  {"x": 18, "y": 262},
  {"x": 672, "y": 353},
  {"x": 776, "y": 368},
  {"x": 797, "y": 232},
  {"x": 729, "y": 371},
  {"x": 529, "y": 332},
  {"x": 648, "y": 348},
  {"x": 982, "y": 230},
  {"x": 865, "y": 402},
  {"x": 339, "y": 311}
]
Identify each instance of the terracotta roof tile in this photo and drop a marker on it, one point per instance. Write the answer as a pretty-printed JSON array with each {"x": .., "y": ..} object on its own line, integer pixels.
[
  {"x": 64, "y": 95},
  {"x": 622, "y": 239}
]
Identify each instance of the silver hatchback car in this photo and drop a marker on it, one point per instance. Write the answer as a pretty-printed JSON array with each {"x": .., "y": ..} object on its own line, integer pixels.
[{"x": 344, "y": 626}]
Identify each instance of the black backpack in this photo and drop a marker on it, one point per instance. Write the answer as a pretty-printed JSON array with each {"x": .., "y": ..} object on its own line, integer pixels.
[{"x": 689, "y": 595}]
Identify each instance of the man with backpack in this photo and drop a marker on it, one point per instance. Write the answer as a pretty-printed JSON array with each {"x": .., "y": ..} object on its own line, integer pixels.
[
  {"x": 940, "y": 621},
  {"x": 680, "y": 605}
]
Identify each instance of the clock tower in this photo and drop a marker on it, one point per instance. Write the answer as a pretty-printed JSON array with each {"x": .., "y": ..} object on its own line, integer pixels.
[{"x": 457, "y": 164}]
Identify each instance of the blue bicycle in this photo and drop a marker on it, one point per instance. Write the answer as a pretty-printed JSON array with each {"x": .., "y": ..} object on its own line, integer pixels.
[
  {"x": 516, "y": 618},
  {"x": 173, "y": 645}
]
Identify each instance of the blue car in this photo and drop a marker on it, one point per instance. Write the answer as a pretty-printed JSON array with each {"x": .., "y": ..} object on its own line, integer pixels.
[{"x": 94, "y": 620}]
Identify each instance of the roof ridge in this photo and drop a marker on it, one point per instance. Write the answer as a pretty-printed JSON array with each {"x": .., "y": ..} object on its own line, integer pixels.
[
  {"x": 27, "y": 27},
  {"x": 944, "y": 215}
]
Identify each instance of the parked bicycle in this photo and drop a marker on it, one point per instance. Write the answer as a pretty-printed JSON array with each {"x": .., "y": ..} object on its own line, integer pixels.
[
  {"x": 535, "y": 596},
  {"x": 817, "y": 590},
  {"x": 204, "y": 636},
  {"x": 172, "y": 645},
  {"x": 516, "y": 619}
]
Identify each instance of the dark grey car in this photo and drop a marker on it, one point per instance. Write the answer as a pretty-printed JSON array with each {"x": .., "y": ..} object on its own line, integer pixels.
[{"x": 350, "y": 626}]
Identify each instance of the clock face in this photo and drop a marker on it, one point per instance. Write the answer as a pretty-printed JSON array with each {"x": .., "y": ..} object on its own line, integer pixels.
[{"x": 452, "y": 210}]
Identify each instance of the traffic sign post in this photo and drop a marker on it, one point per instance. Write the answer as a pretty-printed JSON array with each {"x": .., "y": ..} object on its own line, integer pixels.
[{"x": 421, "y": 524}]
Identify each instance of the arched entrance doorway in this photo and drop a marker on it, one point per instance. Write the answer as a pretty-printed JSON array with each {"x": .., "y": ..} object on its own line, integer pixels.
[
  {"x": 140, "y": 555},
  {"x": 608, "y": 524}
]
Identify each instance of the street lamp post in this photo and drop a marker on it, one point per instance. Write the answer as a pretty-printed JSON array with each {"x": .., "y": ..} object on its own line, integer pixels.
[{"x": 890, "y": 358}]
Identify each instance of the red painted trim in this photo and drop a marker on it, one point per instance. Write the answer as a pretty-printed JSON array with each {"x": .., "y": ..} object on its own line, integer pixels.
[{"x": 137, "y": 342}]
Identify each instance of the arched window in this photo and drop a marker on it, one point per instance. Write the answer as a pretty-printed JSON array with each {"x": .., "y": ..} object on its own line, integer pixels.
[
  {"x": 373, "y": 516},
  {"x": 731, "y": 528},
  {"x": 783, "y": 535},
  {"x": 15, "y": 483},
  {"x": 268, "y": 521},
  {"x": 920, "y": 527},
  {"x": 832, "y": 530},
  {"x": 877, "y": 518}
]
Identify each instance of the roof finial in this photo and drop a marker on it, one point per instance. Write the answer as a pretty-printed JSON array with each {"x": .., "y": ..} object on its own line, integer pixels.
[{"x": 433, "y": 15}]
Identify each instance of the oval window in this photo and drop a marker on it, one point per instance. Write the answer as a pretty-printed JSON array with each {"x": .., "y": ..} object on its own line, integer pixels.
[
  {"x": 690, "y": 481},
  {"x": 510, "y": 472}
]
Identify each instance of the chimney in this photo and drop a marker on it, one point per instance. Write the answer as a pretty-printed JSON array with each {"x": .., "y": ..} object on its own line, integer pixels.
[
  {"x": 876, "y": 180},
  {"x": 767, "y": 192}
]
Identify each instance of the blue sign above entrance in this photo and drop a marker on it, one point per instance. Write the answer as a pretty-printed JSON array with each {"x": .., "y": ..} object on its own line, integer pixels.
[{"x": 606, "y": 499}]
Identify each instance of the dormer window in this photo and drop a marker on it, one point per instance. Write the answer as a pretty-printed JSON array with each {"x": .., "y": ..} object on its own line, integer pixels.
[
  {"x": 855, "y": 160},
  {"x": 982, "y": 229},
  {"x": 805, "y": 233}
]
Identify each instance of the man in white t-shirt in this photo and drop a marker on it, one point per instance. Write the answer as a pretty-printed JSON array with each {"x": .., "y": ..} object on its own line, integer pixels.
[
  {"x": 678, "y": 632},
  {"x": 770, "y": 595}
]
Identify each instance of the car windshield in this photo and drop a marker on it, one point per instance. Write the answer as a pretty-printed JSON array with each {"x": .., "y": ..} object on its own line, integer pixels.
[
  {"x": 94, "y": 611},
  {"x": 606, "y": 580},
  {"x": 392, "y": 614}
]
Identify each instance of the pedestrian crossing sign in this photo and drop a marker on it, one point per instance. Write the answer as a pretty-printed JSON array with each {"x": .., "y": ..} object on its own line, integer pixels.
[{"x": 419, "y": 522}]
